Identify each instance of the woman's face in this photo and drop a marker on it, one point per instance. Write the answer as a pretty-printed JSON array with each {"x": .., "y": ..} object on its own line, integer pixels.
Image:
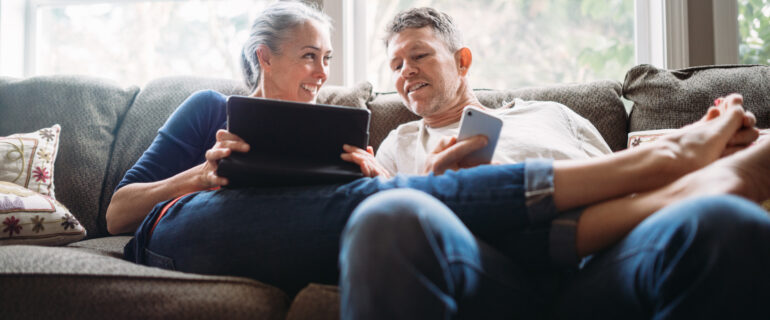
[{"x": 301, "y": 67}]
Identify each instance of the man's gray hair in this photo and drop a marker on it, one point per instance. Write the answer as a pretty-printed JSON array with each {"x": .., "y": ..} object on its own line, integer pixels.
[
  {"x": 271, "y": 28},
  {"x": 416, "y": 18}
]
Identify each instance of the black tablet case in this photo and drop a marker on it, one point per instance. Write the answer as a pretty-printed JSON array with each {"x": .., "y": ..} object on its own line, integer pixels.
[{"x": 292, "y": 143}]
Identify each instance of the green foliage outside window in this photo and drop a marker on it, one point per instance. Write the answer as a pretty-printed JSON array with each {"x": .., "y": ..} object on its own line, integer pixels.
[
  {"x": 518, "y": 43},
  {"x": 754, "y": 29}
]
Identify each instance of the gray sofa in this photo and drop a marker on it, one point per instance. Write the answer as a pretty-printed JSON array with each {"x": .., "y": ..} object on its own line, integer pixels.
[{"x": 106, "y": 127}]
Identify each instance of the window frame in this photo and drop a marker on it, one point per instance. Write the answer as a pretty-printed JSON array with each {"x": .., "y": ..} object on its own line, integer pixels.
[
  {"x": 660, "y": 34},
  {"x": 726, "y": 37}
]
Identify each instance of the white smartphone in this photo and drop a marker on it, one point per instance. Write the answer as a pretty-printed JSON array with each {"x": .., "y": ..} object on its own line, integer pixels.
[{"x": 474, "y": 122}]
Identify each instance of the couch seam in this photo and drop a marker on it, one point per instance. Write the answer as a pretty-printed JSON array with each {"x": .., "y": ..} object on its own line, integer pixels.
[{"x": 100, "y": 218}]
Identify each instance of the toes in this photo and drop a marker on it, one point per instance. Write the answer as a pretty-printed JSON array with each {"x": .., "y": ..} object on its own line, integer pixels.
[
  {"x": 711, "y": 113},
  {"x": 734, "y": 99}
]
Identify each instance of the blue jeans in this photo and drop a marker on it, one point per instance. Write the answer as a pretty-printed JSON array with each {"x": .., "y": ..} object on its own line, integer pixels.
[
  {"x": 289, "y": 237},
  {"x": 406, "y": 256},
  {"x": 704, "y": 258}
]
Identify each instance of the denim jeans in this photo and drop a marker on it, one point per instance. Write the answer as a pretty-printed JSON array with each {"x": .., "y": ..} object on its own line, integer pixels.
[
  {"x": 288, "y": 237},
  {"x": 704, "y": 258},
  {"x": 405, "y": 255}
]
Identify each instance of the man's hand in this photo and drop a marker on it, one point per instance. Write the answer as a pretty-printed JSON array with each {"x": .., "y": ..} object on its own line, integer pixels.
[
  {"x": 449, "y": 154},
  {"x": 226, "y": 143},
  {"x": 365, "y": 159}
]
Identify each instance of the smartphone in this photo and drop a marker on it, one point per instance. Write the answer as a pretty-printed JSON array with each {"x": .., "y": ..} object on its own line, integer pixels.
[{"x": 474, "y": 122}]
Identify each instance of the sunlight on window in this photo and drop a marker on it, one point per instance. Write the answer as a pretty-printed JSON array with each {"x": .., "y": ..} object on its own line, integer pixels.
[
  {"x": 519, "y": 43},
  {"x": 754, "y": 29},
  {"x": 135, "y": 42}
]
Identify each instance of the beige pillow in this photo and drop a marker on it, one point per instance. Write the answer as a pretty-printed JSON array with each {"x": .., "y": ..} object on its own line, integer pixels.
[
  {"x": 27, "y": 159},
  {"x": 27, "y": 217}
]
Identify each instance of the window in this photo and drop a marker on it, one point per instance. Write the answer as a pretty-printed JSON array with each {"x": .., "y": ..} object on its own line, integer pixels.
[
  {"x": 754, "y": 30},
  {"x": 515, "y": 42},
  {"x": 134, "y": 42},
  {"x": 519, "y": 43}
]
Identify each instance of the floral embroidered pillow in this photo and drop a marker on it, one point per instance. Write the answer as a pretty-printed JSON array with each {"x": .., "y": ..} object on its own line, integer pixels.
[
  {"x": 27, "y": 159},
  {"x": 27, "y": 217}
]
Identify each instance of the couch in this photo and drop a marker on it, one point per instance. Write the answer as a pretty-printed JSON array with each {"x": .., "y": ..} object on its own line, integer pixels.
[{"x": 106, "y": 127}]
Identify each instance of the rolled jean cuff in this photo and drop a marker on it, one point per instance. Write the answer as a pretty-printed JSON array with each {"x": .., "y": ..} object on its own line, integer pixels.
[
  {"x": 563, "y": 238},
  {"x": 538, "y": 184}
]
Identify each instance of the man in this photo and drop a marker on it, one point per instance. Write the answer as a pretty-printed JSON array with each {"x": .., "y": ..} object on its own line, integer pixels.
[{"x": 406, "y": 255}]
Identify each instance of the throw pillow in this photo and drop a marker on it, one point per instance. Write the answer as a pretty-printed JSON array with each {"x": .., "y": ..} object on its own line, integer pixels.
[
  {"x": 356, "y": 96},
  {"x": 27, "y": 159},
  {"x": 674, "y": 98},
  {"x": 29, "y": 217}
]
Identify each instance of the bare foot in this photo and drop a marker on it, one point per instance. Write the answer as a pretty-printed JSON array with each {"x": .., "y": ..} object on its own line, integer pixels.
[
  {"x": 725, "y": 129},
  {"x": 745, "y": 173}
]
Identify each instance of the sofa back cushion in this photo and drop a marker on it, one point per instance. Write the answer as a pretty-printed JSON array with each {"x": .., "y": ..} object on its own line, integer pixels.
[
  {"x": 161, "y": 97},
  {"x": 673, "y": 98},
  {"x": 599, "y": 102},
  {"x": 89, "y": 111}
]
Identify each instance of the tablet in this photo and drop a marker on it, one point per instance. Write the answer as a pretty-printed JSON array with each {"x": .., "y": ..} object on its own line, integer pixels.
[{"x": 292, "y": 143}]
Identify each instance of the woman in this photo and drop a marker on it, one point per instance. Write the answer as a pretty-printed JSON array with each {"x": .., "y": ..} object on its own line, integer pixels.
[
  {"x": 286, "y": 57},
  {"x": 289, "y": 70}
]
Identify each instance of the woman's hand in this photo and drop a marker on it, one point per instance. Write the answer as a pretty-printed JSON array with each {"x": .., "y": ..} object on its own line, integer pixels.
[
  {"x": 226, "y": 143},
  {"x": 365, "y": 159}
]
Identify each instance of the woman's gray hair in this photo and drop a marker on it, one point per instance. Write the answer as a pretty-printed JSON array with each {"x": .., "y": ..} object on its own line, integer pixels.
[
  {"x": 416, "y": 18},
  {"x": 270, "y": 28}
]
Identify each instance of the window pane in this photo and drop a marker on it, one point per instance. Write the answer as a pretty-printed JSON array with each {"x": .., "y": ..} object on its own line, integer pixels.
[
  {"x": 134, "y": 42},
  {"x": 519, "y": 43},
  {"x": 754, "y": 28}
]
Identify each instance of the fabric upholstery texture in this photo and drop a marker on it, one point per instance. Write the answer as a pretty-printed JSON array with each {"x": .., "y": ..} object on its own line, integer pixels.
[
  {"x": 89, "y": 111},
  {"x": 27, "y": 159},
  {"x": 88, "y": 284},
  {"x": 316, "y": 301},
  {"x": 673, "y": 98},
  {"x": 356, "y": 96},
  {"x": 31, "y": 218}
]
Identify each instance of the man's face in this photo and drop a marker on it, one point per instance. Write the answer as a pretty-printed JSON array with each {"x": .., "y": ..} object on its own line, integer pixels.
[{"x": 426, "y": 74}]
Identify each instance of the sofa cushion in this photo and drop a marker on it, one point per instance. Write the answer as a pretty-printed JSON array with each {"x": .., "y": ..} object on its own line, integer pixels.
[
  {"x": 31, "y": 218},
  {"x": 673, "y": 98},
  {"x": 88, "y": 111},
  {"x": 599, "y": 102},
  {"x": 27, "y": 159},
  {"x": 316, "y": 301},
  {"x": 85, "y": 283}
]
